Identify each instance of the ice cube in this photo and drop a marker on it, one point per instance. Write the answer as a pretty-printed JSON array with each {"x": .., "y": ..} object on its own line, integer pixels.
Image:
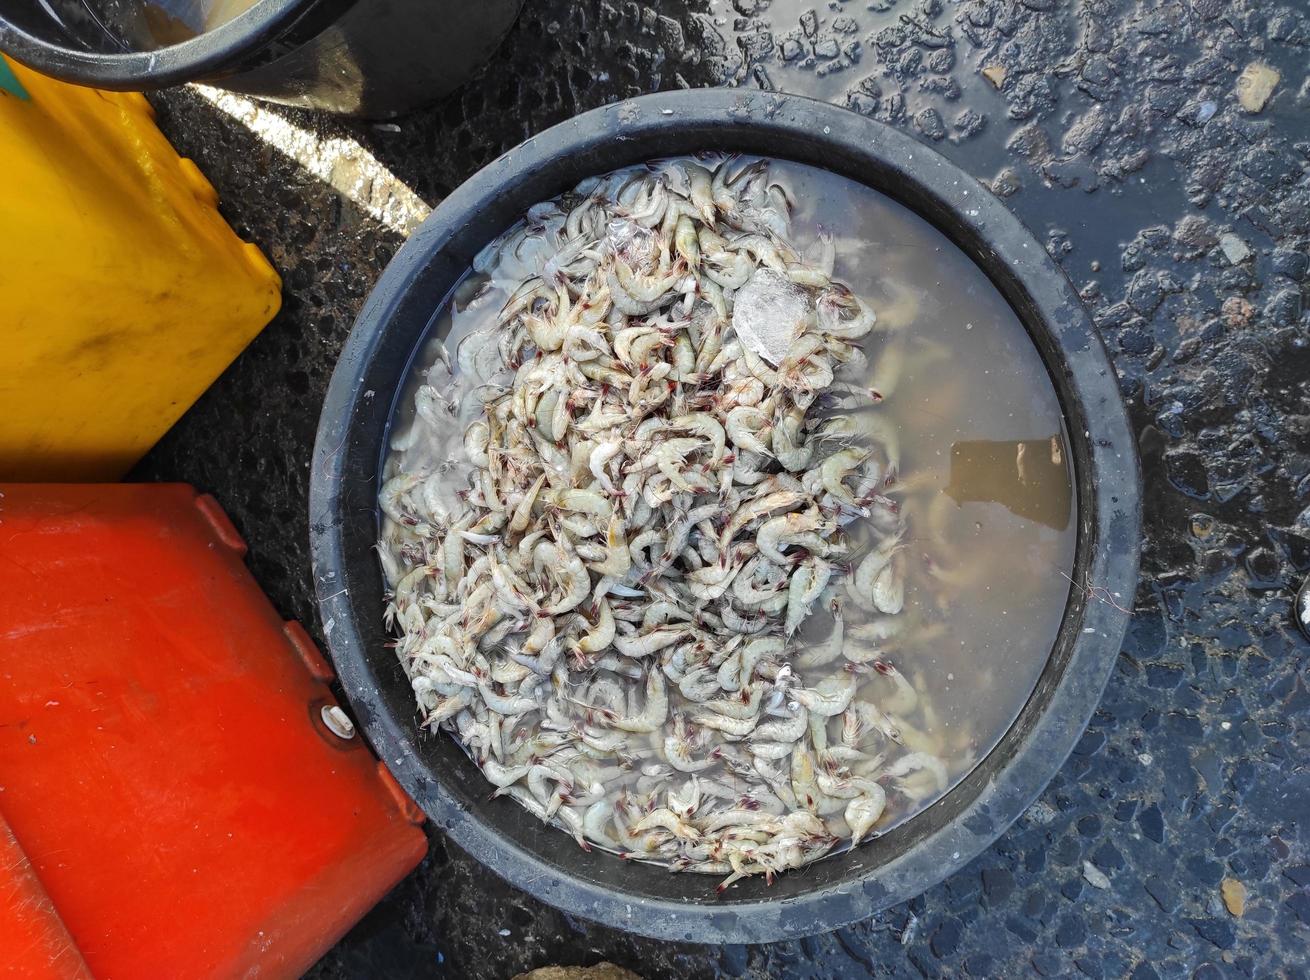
[
  {"x": 769, "y": 313},
  {"x": 632, "y": 243}
]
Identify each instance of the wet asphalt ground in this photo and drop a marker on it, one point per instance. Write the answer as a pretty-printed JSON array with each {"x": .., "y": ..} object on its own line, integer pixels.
[{"x": 1137, "y": 140}]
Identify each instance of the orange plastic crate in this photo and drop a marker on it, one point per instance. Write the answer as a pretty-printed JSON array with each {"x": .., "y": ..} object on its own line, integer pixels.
[{"x": 164, "y": 765}]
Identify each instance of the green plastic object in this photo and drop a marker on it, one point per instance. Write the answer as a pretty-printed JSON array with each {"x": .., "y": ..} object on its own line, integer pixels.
[{"x": 9, "y": 82}]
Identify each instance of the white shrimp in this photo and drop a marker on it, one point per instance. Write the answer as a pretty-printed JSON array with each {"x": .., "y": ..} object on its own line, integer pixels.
[
  {"x": 747, "y": 428},
  {"x": 601, "y": 455},
  {"x": 864, "y": 810},
  {"x": 656, "y": 709},
  {"x": 830, "y": 697},
  {"x": 572, "y": 574},
  {"x": 790, "y": 530},
  {"x": 905, "y": 698}
]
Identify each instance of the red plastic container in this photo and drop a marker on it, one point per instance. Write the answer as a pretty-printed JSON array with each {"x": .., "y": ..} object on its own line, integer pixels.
[{"x": 164, "y": 763}]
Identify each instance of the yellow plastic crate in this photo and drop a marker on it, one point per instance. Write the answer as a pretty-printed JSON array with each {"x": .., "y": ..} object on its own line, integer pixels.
[{"x": 123, "y": 292}]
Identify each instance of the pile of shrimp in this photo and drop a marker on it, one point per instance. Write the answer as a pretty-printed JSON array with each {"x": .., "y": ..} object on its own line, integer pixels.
[{"x": 609, "y": 620}]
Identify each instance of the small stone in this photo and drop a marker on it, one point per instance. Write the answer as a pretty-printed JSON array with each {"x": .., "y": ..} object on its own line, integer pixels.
[
  {"x": 997, "y": 884},
  {"x": 1089, "y": 967},
  {"x": 1030, "y": 142},
  {"x": 1046, "y": 963},
  {"x": 1041, "y": 813},
  {"x": 1284, "y": 307},
  {"x": 946, "y": 939},
  {"x": 1164, "y": 894},
  {"x": 1234, "y": 249},
  {"x": 929, "y": 122},
  {"x": 968, "y": 123},
  {"x": 827, "y": 48},
  {"x": 1291, "y": 263},
  {"x": 1237, "y": 312},
  {"x": 1234, "y": 893},
  {"x": 1300, "y": 906},
  {"x": 810, "y": 23},
  {"x": 1107, "y": 856},
  {"x": 1255, "y": 85},
  {"x": 1071, "y": 933},
  {"x": 1088, "y": 131},
  {"x": 1006, "y": 183},
  {"x": 941, "y": 61},
  {"x": 1215, "y": 931},
  {"x": 1095, "y": 876},
  {"x": 791, "y": 49},
  {"x": 994, "y": 74},
  {"x": 1194, "y": 233},
  {"x": 1151, "y": 820},
  {"x": 1144, "y": 293}
]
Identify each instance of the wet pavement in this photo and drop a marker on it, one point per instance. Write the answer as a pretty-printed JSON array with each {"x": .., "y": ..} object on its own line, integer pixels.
[{"x": 1142, "y": 143}]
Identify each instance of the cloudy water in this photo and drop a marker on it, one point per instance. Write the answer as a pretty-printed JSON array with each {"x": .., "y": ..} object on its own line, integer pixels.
[{"x": 970, "y": 421}]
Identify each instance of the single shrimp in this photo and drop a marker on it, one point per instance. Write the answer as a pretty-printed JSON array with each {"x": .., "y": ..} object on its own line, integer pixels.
[
  {"x": 572, "y": 573},
  {"x": 863, "y": 811},
  {"x": 905, "y": 698},
  {"x": 653, "y": 641},
  {"x": 830, "y": 697},
  {"x": 796, "y": 530},
  {"x": 654, "y": 713},
  {"x": 807, "y": 583}
]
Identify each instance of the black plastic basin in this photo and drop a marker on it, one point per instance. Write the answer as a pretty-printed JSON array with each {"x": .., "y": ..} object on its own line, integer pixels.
[
  {"x": 372, "y": 58},
  {"x": 540, "y": 859}
]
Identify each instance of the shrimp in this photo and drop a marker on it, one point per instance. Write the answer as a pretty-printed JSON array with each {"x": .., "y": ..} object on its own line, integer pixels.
[
  {"x": 759, "y": 507},
  {"x": 523, "y": 511},
  {"x": 737, "y": 727},
  {"x": 788, "y": 446},
  {"x": 863, "y": 811},
  {"x": 680, "y": 745},
  {"x": 582, "y": 501},
  {"x": 477, "y": 436},
  {"x": 666, "y": 819},
  {"x": 393, "y": 492},
  {"x": 707, "y": 427},
  {"x": 786, "y": 730},
  {"x": 618, "y": 559},
  {"x": 807, "y": 583},
  {"x": 915, "y": 762},
  {"x": 861, "y": 584},
  {"x": 793, "y": 530},
  {"x": 837, "y": 468},
  {"x": 905, "y": 698},
  {"x": 699, "y": 685},
  {"x": 636, "y": 295},
  {"x": 888, "y": 591},
  {"x": 655, "y": 711},
  {"x": 843, "y": 314},
  {"x": 831, "y": 648},
  {"x": 572, "y": 573},
  {"x": 746, "y": 427},
  {"x": 830, "y": 697},
  {"x": 602, "y": 635},
  {"x": 645, "y": 644}
]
